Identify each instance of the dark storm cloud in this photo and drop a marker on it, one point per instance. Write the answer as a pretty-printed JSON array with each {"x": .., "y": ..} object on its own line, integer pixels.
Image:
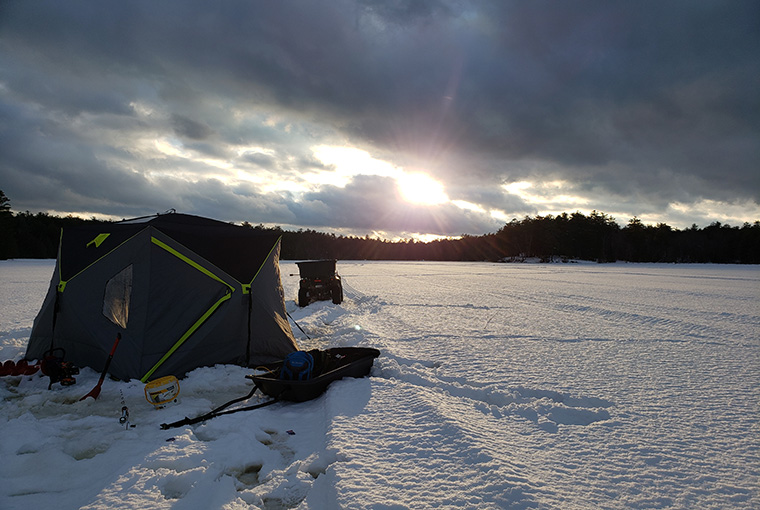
[
  {"x": 190, "y": 128},
  {"x": 637, "y": 104}
]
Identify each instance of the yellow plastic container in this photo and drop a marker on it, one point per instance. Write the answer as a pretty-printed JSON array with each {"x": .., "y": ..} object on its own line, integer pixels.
[{"x": 162, "y": 391}]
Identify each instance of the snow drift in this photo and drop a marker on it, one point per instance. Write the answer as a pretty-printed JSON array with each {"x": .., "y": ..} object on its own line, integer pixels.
[{"x": 499, "y": 386}]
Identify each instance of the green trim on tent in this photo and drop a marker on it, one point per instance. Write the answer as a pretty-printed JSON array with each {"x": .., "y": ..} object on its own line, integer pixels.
[
  {"x": 61, "y": 282},
  {"x": 189, "y": 261},
  {"x": 98, "y": 240},
  {"x": 247, "y": 288},
  {"x": 186, "y": 335}
]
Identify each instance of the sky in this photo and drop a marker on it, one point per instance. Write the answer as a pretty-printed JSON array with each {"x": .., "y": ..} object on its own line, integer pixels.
[{"x": 391, "y": 118}]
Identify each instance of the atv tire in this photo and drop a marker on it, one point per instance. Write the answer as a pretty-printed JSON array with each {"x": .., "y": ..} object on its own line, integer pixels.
[
  {"x": 337, "y": 295},
  {"x": 303, "y": 298}
]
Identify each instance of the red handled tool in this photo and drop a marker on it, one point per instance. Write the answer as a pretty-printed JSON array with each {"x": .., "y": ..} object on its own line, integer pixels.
[{"x": 96, "y": 390}]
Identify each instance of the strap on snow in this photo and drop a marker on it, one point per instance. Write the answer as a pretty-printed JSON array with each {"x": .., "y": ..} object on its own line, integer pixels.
[{"x": 218, "y": 411}]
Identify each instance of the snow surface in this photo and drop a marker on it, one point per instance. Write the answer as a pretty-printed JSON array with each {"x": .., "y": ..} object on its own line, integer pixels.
[{"x": 499, "y": 386}]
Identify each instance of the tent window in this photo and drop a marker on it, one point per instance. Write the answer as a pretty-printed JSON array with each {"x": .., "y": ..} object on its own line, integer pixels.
[{"x": 117, "y": 296}]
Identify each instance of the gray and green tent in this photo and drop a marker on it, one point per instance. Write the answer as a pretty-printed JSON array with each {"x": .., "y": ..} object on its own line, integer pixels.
[{"x": 183, "y": 291}]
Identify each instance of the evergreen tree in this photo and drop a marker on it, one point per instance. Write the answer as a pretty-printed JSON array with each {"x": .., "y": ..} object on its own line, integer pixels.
[{"x": 8, "y": 245}]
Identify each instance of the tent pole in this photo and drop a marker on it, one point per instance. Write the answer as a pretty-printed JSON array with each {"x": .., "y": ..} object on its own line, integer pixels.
[
  {"x": 248, "y": 339},
  {"x": 56, "y": 306}
]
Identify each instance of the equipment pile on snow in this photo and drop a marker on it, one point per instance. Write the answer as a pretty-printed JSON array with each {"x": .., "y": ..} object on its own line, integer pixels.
[
  {"x": 279, "y": 381},
  {"x": 329, "y": 365}
]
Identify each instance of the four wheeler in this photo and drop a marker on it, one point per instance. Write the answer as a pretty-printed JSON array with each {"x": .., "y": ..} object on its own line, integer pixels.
[{"x": 319, "y": 281}]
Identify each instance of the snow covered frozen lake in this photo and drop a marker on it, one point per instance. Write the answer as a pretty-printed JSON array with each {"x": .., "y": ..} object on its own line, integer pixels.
[{"x": 567, "y": 386}]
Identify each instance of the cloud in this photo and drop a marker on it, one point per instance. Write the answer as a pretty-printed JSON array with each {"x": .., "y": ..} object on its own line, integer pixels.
[{"x": 134, "y": 107}]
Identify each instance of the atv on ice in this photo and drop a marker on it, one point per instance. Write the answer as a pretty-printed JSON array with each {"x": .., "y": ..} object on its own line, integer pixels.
[{"x": 319, "y": 281}]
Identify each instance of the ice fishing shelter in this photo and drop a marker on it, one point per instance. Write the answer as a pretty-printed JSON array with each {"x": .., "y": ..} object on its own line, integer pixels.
[{"x": 183, "y": 291}]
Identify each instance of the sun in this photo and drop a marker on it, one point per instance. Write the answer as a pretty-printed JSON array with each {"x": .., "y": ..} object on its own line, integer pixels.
[{"x": 419, "y": 188}]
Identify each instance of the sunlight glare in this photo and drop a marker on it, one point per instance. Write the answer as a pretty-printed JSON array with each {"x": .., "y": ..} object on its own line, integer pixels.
[
  {"x": 419, "y": 188},
  {"x": 350, "y": 161},
  {"x": 347, "y": 162}
]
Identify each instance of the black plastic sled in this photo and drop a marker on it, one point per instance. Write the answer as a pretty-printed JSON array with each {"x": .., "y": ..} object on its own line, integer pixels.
[{"x": 329, "y": 365}]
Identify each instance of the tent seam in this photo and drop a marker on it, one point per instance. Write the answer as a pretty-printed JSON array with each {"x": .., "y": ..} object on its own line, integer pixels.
[
  {"x": 186, "y": 335},
  {"x": 189, "y": 261},
  {"x": 264, "y": 262}
]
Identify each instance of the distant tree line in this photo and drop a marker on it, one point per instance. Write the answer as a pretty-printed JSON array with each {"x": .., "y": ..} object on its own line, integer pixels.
[
  {"x": 598, "y": 237},
  {"x": 549, "y": 238}
]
